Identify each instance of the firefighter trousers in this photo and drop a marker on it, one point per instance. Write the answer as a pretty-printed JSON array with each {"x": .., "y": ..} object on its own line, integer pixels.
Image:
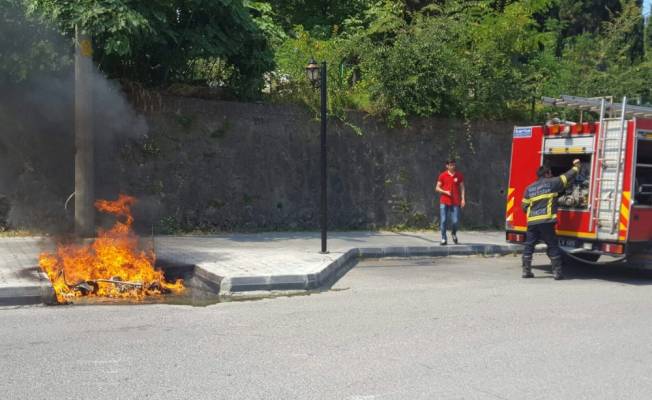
[{"x": 545, "y": 233}]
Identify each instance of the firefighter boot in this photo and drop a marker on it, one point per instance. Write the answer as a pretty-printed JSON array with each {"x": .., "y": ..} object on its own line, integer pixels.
[
  {"x": 527, "y": 269},
  {"x": 556, "y": 268}
]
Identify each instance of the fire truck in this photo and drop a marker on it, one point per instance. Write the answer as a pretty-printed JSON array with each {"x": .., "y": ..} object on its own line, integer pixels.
[{"x": 607, "y": 209}]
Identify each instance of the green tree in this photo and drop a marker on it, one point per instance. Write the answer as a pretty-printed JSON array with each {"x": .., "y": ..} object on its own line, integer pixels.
[
  {"x": 26, "y": 46},
  {"x": 266, "y": 19},
  {"x": 465, "y": 60},
  {"x": 585, "y": 16},
  {"x": 648, "y": 34},
  {"x": 606, "y": 63},
  {"x": 156, "y": 41},
  {"x": 319, "y": 17},
  {"x": 458, "y": 59}
]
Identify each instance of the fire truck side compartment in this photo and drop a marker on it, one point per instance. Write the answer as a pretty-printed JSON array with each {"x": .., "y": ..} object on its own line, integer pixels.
[
  {"x": 640, "y": 231},
  {"x": 643, "y": 174}
]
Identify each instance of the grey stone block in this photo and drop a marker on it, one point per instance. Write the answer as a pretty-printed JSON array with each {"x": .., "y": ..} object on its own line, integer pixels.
[
  {"x": 289, "y": 281},
  {"x": 395, "y": 252},
  {"x": 370, "y": 252},
  {"x": 269, "y": 282},
  {"x": 22, "y": 295},
  {"x": 207, "y": 275},
  {"x": 462, "y": 250},
  {"x": 418, "y": 251}
]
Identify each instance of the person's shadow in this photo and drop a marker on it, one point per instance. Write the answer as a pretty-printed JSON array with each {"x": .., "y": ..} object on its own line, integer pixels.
[{"x": 619, "y": 272}]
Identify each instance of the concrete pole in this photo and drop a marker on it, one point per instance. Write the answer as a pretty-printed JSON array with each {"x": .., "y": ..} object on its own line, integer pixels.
[{"x": 84, "y": 157}]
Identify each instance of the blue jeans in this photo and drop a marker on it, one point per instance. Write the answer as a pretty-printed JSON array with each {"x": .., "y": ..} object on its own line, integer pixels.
[{"x": 444, "y": 213}]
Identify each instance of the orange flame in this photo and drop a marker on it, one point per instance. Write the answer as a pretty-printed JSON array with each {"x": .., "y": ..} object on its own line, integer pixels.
[{"x": 110, "y": 266}]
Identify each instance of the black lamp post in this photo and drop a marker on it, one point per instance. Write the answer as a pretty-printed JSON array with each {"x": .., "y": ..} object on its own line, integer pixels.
[{"x": 317, "y": 76}]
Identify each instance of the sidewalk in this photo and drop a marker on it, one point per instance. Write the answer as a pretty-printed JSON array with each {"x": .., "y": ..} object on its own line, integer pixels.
[
  {"x": 21, "y": 280},
  {"x": 251, "y": 262}
]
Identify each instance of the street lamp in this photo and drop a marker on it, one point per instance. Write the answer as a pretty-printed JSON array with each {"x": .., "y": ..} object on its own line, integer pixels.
[
  {"x": 317, "y": 77},
  {"x": 312, "y": 72}
]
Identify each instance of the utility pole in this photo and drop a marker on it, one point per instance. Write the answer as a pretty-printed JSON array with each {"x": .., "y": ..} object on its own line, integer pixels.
[{"x": 84, "y": 148}]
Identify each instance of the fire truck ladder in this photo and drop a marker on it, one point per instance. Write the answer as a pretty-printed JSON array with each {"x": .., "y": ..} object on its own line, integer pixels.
[
  {"x": 609, "y": 164},
  {"x": 606, "y": 195}
]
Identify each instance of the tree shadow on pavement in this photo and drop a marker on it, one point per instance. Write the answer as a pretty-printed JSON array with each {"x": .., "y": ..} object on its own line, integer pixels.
[
  {"x": 349, "y": 236},
  {"x": 423, "y": 237},
  {"x": 301, "y": 235}
]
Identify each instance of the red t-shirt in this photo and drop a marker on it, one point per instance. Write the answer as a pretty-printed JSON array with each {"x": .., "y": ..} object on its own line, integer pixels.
[{"x": 451, "y": 183}]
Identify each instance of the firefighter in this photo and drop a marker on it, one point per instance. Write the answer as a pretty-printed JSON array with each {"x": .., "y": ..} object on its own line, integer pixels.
[{"x": 540, "y": 206}]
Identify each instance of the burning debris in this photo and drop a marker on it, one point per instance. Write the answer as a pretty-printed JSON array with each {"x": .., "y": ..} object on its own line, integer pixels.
[{"x": 112, "y": 265}]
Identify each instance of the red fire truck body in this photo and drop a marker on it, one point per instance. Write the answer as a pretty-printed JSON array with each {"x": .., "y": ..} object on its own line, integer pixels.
[{"x": 607, "y": 209}]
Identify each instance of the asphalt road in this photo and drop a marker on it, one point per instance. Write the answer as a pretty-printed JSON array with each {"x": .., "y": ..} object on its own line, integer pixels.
[{"x": 455, "y": 328}]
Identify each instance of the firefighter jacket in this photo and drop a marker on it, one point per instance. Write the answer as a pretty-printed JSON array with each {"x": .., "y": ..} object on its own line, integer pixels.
[{"x": 540, "y": 198}]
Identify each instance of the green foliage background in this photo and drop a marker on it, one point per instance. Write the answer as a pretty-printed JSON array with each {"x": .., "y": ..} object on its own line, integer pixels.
[
  {"x": 489, "y": 59},
  {"x": 158, "y": 42},
  {"x": 27, "y": 47},
  {"x": 477, "y": 59}
]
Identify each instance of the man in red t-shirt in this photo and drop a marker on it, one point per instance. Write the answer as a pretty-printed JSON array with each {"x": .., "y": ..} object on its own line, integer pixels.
[{"x": 450, "y": 184}]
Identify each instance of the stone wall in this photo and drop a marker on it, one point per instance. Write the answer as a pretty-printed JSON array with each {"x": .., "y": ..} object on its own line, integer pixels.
[
  {"x": 4, "y": 213},
  {"x": 215, "y": 166}
]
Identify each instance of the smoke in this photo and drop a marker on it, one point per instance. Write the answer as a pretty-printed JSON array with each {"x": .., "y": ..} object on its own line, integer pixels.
[
  {"x": 37, "y": 127},
  {"x": 36, "y": 138}
]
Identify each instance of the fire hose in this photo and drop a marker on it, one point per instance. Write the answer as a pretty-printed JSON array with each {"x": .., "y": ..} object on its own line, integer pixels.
[
  {"x": 620, "y": 259},
  {"x": 65, "y": 205}
]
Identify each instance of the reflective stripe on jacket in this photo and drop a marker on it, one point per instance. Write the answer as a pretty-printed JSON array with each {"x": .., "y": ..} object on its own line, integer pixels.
[{"x": 540, "y": 198}]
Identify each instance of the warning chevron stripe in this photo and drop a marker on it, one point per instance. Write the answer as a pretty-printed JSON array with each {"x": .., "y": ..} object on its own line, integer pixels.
[
  {"x": 624, "y": 215},
  {"x": 510, "y": 205}
]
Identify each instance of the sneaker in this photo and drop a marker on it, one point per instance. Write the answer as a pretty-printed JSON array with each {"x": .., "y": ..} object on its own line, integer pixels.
[
  {"x": 443, "y": 242},
  {"x": 454, "y": 238}
]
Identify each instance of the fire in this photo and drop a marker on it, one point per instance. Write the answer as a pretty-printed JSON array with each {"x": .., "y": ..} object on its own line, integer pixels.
[{"x": 112, "y": 265}]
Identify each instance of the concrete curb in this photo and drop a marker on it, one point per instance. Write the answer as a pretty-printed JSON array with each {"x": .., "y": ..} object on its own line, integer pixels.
[
  {"x": 43, "y": 293},
  {"x": 346, "y": 261},
  {"x": 24, "y": 295}
]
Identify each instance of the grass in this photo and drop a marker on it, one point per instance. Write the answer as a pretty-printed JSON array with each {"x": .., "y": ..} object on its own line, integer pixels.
[{"x": 19, "y": 233}]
